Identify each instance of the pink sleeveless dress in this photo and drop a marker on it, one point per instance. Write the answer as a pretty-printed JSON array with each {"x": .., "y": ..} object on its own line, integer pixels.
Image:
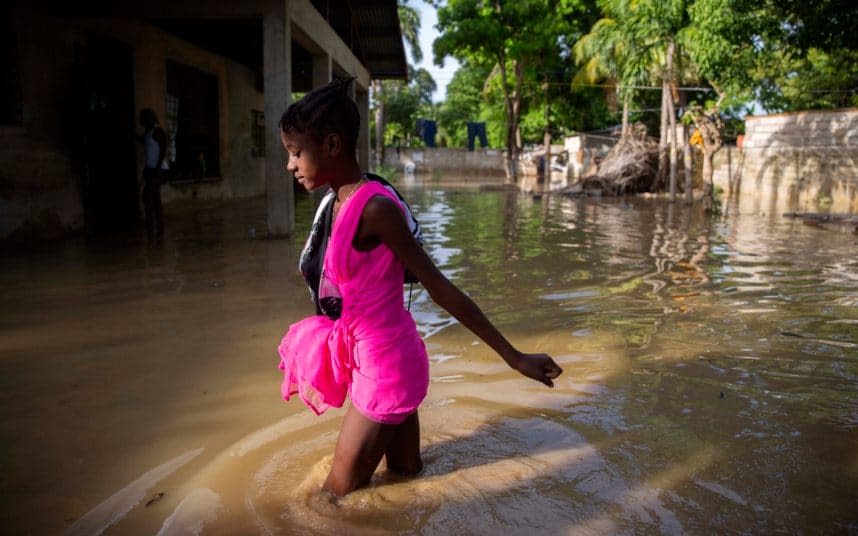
[{"x": 372, "y": 353}]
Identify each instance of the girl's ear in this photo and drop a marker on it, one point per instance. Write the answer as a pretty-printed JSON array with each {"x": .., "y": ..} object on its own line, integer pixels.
[{"x": 333, "y": 144}]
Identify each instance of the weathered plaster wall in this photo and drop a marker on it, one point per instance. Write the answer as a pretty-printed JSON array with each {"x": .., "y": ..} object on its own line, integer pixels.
[
  {"x": 803, "y": 161},
  {"x": 39, "y": 193},
  {"x": 40, "y": 189}
]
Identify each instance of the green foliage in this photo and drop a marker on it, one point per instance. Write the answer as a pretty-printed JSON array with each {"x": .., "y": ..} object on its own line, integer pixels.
[
  {"x": 521, "y": 50},
  {"x": 465, "y": 98},
  {"x": 409, "y": 24},
  {"x": 816, "y": 80},
  {"x": 530, "y": 37},
  {"x": 404, "y": 103},
  {"x": 783, "y": 54}
]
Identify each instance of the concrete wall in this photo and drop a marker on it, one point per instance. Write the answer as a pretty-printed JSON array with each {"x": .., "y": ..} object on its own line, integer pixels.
[
  {"x": 583, "y": 150},
  {"x": 803, "y": 161},
  {"x": 242, "y": 174},
  {"x": 39, "y": 192},
  {"x": 457, "y": 162}
]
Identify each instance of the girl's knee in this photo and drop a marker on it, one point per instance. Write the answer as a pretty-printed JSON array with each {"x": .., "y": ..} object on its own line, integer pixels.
[{"x": 342, "y": 485}]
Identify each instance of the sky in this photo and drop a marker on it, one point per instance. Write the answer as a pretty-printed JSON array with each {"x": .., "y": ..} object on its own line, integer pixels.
[{"x": 428, "y": 33}]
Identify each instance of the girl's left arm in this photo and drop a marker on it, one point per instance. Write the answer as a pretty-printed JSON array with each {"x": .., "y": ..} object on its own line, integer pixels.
[{"x": 383, "y": 219}]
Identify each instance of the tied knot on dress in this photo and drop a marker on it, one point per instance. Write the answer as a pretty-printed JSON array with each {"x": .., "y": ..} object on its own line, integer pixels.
[{"x": 323, "y": 350}]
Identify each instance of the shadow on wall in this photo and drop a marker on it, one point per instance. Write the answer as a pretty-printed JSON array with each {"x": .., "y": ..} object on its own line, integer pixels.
[{"x": 802, "y": 161}]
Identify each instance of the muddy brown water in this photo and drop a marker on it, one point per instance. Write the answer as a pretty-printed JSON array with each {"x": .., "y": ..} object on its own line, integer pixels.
[{"x": 711, "y": 374}]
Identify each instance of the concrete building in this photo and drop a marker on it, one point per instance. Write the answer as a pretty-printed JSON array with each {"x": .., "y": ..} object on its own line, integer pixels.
[{"x": 218, "y": 74}]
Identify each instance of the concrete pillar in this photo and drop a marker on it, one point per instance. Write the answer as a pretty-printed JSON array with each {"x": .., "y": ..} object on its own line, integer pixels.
[
  {"x": 362, "y": 100},
  {"x": 322, "y": 70},
  {"x": 277, "y": 72}
]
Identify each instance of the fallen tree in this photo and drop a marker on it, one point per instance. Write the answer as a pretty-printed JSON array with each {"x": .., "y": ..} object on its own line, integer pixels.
[{"x": 629, "y": 167}]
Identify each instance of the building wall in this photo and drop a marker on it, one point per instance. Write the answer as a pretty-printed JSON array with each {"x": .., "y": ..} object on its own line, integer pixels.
[
  {"x": 40, "y": 189},
  {"x": 803, "y": 161},
  {"x": 39, "y": 193},
  {"x": 582, "y": 152}
]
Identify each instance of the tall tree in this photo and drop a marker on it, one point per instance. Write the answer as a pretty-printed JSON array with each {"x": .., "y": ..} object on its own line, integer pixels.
[
  {"x": 511, "y": 36},
  {"x": 612, "y": 52},
  {"x": 404, "y": 102},
  {"x": 723, "y": 43},
  {"x": 466, "y": 96},
  {"x": 480, "y": 32}
]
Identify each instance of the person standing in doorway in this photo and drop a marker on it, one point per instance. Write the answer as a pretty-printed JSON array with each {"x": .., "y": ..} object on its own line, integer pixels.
[{"x": 155, "y": 153}]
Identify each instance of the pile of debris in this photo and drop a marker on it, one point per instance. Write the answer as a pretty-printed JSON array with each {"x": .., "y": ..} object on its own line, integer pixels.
[{"x": 631, "y": 166}]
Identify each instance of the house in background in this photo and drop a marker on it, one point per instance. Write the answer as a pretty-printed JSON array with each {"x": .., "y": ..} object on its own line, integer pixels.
[{"x": 218, "y": 74}]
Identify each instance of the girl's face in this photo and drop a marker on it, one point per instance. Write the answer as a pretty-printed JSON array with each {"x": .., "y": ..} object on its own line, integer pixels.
[{"x": 308, "y": 159}]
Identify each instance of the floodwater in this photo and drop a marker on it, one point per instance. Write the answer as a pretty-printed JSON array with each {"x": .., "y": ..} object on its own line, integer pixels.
[{"x": 710, "y": 384}]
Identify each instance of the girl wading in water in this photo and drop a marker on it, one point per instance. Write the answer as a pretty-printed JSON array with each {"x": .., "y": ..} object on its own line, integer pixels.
[{"x": 365, "y": 343}]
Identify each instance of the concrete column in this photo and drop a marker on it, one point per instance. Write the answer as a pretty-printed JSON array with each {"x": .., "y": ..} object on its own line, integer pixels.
[
  {"x": 362, "y": 100},
  {"x": 277, "y": 72},
  {"x": 322, "y": 70}
]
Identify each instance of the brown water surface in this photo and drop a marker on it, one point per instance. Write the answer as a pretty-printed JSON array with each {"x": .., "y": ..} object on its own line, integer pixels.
[{"x": 710, "y": 383}]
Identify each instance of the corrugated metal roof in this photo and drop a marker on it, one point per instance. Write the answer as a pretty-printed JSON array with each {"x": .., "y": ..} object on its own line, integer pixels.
[{"x": 371, "y": 29}]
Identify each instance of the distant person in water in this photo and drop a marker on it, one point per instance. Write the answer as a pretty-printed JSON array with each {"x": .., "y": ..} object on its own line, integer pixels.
[
  {"x": 155, "y": 164},
  {"x": 364, "y": 344}
]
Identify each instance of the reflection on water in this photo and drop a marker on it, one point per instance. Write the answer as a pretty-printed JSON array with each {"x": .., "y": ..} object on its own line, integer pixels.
[{"x": 710, "y": 385}]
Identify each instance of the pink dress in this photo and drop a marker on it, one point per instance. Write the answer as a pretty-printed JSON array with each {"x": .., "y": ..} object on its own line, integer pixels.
[{"x": 373, "y": 352}]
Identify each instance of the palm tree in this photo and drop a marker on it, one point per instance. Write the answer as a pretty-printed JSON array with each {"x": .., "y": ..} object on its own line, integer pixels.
[{"x": 614, "y": 51}]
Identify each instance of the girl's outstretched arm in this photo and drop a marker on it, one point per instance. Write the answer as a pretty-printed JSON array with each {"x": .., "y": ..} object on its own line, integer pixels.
[{"x": 382, "y": 221}]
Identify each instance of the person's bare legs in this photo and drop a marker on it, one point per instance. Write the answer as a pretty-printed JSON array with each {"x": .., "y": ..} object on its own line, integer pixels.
[
  {"x": 403, "y": 451},
  {"x": 361, "y": 445}
]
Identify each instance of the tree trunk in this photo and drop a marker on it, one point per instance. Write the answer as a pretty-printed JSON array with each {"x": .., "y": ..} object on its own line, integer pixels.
[
  {"x": 662, "y": 136},
  {"x": 546, "y": 137},
  {"x": 626, "y": 103},
  {"x": 671, "y": 109},
  {"x": 379, "y": 123},
  {"x": 686, "y": 157},
  {"x": 518, "y": 71},
  {"x": 708, "y": 185},
  {"x": 509, "y": 157}
]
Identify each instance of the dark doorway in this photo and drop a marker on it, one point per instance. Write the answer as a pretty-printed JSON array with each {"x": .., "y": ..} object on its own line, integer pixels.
[
  {"x": 104, "y": 87},
  {"x": 193, "y": 122}
]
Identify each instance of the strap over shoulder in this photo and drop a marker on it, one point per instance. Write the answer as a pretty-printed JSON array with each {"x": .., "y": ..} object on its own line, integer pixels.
[{"x": 346, "y": 224}]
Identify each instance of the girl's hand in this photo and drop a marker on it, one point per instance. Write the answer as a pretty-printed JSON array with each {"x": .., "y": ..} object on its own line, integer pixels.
[{"x": 539, "y": 367}]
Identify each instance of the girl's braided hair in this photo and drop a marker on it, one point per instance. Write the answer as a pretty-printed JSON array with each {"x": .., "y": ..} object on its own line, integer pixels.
[{"x": 325, "y": 110}]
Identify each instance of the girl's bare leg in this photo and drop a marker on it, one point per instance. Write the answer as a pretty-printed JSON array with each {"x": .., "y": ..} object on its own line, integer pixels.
[
  {"x": 403, "y": 451},
  {"x": 360, "y": 447},
  {"x": 362, "y": 444}
]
